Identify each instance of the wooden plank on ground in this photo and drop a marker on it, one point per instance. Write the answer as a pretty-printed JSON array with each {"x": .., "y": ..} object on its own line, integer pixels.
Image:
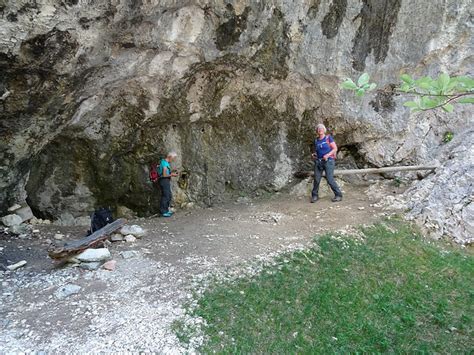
[
  {"x": 390, "y": 169},
  {"x": 76, "y": 246}
]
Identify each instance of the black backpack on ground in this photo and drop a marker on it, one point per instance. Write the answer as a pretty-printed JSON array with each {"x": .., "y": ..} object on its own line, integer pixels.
[{"x": 99, "y": 219}]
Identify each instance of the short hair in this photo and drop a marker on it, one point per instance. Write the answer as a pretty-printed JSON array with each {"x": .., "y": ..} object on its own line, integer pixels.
[
  {"x": 172, "y": 154},
  {"x": 321, "y": 126}
]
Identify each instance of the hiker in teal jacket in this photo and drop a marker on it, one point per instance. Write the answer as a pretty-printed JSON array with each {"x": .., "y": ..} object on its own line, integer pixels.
[{"x": 165, "y": 175}]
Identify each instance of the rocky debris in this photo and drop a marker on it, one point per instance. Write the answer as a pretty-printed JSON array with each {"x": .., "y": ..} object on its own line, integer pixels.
[
  {"x": 442, "y": 203},
  {"x": 89, "y": 255},
  {"x": 134, "y": 230},
  {"x": 269, "y": 217},
  {"x": 58, "y": 236},
  {"x": 130, "y": 238},
  {"x": 66, "y": 291},
  {"x": 128, "y": 254},
  {"x": 11, "y": 220},
  {"x": 110, "y": 265},
  {"x": 116, "y": 237},
  {"x": 91, "y": 266},
  {"x": 35, "y": 221},
  {"x": 17, "y": 265}
]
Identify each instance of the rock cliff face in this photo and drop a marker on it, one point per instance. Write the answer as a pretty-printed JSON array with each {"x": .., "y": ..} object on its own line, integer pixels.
[{"x": 92, "y": 92}]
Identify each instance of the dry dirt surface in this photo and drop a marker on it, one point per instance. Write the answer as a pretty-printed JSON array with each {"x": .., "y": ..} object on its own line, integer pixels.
[{"x": 132, "y": 307}]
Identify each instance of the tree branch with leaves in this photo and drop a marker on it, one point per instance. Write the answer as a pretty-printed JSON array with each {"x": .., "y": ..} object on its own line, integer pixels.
[{"x": 429, "y": 94}]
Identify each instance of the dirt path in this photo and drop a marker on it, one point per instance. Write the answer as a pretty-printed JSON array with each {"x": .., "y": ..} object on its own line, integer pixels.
[{"x": 132, "y": 307}]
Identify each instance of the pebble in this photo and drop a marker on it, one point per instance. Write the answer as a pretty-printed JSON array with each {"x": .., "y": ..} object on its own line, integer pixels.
[
  {"x": 110, "y": 265},
  {"x": 129, "y": 254},
  {"x": 116, "y": 238},
  {"x": 17, "y": 265},
  {"x": 58, "y": 236},
  {"x": 134, "y": 230},
  {"x": 361, "y": 208},
  {"x": 89, "y": 255},
  {"x": 94, "y": 265},
  {"x": 130, "y": 238},
  {"x": 67, "y": 290}
]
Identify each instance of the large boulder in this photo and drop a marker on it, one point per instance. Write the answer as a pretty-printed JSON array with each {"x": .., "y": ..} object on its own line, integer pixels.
[{"x": 11, "y": 220}]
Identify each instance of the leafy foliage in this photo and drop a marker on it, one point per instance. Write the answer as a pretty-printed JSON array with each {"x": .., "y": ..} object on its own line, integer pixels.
[
  {"x": 442, "y": 92},
  {"x": 363, "y": 85}
]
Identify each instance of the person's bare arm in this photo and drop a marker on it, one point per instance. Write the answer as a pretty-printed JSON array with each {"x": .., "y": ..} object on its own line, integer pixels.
[{"x": 332, "y": 152}]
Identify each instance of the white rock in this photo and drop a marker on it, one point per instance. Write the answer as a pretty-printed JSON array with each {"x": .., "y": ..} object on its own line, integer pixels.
[
  {"x": 67, "y": 291},
  {"x": 14, "y": 208},
  {"x": 11, "y": 220},
  {"x": 116, "y": 237},
  {"x": 89, "y": 255},
  {"x": 58, "y": 236},
  {"x": 94, "y": 265},
  {"x": 135, "y": 230},
  {"x": 17, "y": 265},
  {"x": 130, "y": 238}
]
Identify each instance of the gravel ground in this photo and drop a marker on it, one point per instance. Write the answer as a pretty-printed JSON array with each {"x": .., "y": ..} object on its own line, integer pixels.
[{"x": 132, "y": 307}]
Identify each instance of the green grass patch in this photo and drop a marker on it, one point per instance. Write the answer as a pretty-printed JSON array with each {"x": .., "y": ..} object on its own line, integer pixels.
[{"x": 391, "y": 291}]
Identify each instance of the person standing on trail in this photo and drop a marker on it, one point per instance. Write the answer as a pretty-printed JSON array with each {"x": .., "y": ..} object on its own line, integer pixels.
[
  {"x": 165, "y": 174},
  {"x": 324, "y": 157}
]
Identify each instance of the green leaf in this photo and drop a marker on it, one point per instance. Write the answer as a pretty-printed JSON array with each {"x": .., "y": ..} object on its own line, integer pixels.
[
  {"x": 349, "y": 84},
  {"x": 466, "y": 100},
  {"x": 372, "y": 86},
  {"x": 443, "y": 82},
  {"x": 428, "y": 102},
  {"x": 466, "y": 82},
  {"x": 360, "y": 92},
  {"x": 448, "y": 108},
  {"x": 363, "y": 79},
  {"x": 405, "y": 87},
  {"x": 411, "y": 104},
  {"x": 407, "y": 79},
  {"x": 425, "y": 83}
]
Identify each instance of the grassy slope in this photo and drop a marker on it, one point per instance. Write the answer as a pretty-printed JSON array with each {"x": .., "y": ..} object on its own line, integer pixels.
[{"x": 391, "y": 292}]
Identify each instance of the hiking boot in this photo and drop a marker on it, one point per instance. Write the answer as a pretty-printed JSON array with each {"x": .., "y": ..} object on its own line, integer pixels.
[
  {"x": 167, "y": 214},
  {"x": 314, "y": 199},
  {"x": 337, "y": 199}
]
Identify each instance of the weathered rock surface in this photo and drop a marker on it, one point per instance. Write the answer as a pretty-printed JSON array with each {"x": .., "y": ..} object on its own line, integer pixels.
[
  {"x": 67, "y": 290},
  {"x": 134, "y": 230},
  {"x": 90, "y": 95},
  {"x": 91, "y": 255},
  {"x": 11, "y": 220},
  {"x": 443, "y": 203}
]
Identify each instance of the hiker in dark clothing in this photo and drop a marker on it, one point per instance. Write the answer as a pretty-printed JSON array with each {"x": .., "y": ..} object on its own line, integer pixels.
[
  {"x": 324, "y": 157},
  {"x": 165, "y": 174}
]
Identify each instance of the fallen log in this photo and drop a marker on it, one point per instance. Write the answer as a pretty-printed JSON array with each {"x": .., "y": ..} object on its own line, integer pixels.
[
  {"x": 77, "y": 246},
  {"x": 390, "y": 169}
]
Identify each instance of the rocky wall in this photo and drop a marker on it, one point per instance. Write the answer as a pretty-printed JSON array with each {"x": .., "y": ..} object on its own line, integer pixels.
[{"x": 92, "y": 92}]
